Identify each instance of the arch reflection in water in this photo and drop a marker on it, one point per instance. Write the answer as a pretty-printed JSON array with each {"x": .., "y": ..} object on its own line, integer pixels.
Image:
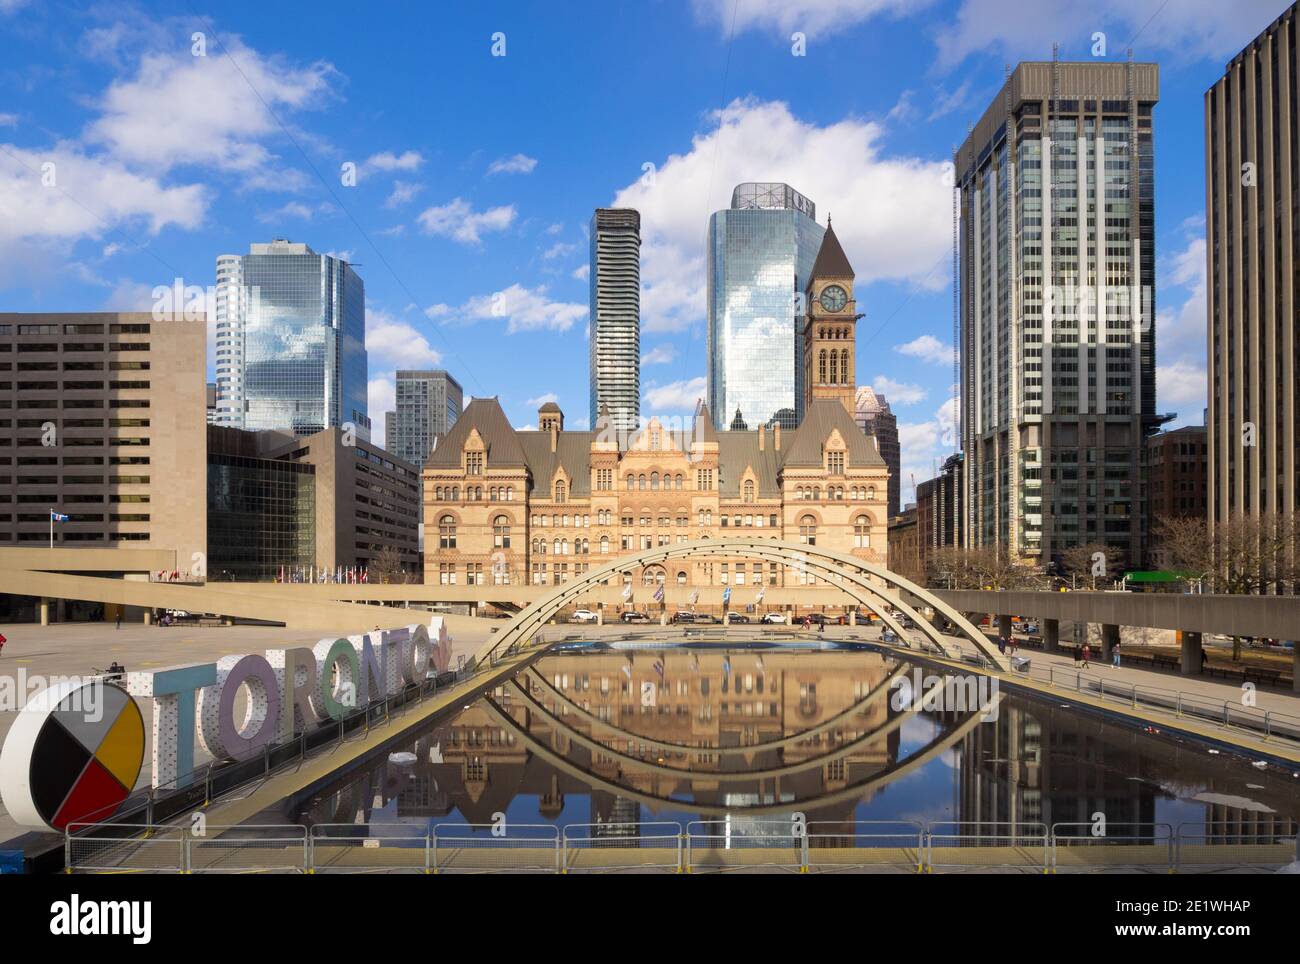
[{"x": 617, "y": 738}]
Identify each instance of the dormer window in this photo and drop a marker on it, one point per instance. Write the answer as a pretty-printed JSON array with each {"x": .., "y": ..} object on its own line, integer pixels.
[
  {"x": 473, "y": 463},
  {"x": 835, "y": 463}
]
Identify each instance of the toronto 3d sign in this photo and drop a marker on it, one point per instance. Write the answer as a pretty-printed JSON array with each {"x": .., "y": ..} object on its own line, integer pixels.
[{"x": 75, "y": 751}]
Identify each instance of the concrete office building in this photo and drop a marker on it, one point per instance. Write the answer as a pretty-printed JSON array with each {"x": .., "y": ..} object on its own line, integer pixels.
[
  {"x": 760, "y": 255},
  {"x": 427, "y": 404},
  {"x": 103, "y": 419},
  {"x": 291, "y": 341},
  {"x": 1252, "y": 170},
  {"x": 938, "y": 509},
  {"x": 1057, "y": 273},
  {"x": 306, "y": 502},
  {"x": 872, "y": 413},
  {"x": 1177, "y": 473},
  {"x": 615, "y": 283}
]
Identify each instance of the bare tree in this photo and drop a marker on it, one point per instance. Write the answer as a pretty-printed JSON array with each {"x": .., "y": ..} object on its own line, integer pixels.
[
  {"x": 1086, "y": 564},
  {"x": 985, "y": 567},
  {"x": 387, "y": 566}
]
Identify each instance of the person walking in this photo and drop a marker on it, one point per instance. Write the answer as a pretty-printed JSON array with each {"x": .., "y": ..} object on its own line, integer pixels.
[
  {"x": 1114, "y": 655},
  {"x": 1086, "y": 653},
  {"x": 119, "y": 620}
]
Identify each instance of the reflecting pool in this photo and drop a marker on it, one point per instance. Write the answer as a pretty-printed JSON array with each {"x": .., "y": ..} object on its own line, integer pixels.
[{"x": 611, "y": 737}]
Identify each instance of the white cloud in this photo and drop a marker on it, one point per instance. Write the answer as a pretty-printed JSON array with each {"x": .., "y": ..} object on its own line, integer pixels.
[
  {"x": 541, "y": 400},
  {"x": 524, "y": 309},
  {"x": 1181, "y": 330},
  {"x": 582, "y": 272},
  {"x": 91, "y": 197},
  {"x": 659, "y": 355},
  {"x": 554, "y": 228},
  {"x": 809, "y": 16},
  {"x": 403, "y": 191},
  {"x": 292, "y": 209},
  {"x": 927, "y": 348},
  {"x": 8, "y": 120},
  {"x": 675, "y": 396},
  {"x": 397, "y": 342},
  {"x": 181, "y": 110},
  {"x": 895, "y": 212},
  {"x": 1189, "y": 29},
  {"x": 388, "y": 161},
  {"x": 559, "y": 250},
  {"x": 898, "y": 393},
  {"x": 459, "y": 221},
  {"x": 516, "y": 164},
  {"x": 1182, "y": 384}
]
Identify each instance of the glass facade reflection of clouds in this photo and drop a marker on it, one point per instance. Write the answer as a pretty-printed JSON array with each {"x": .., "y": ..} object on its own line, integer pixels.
[
  {"x": 304, "y": 365},
  {"x": 760, "y": 253}
]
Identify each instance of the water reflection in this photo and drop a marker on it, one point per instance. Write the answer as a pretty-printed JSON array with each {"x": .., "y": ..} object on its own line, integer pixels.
[{"x": 623, "y": 738}]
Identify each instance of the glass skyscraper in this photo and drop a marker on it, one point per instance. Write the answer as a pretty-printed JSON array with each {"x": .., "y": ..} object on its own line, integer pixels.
[
  {"x": 291, "y": 341},
  {"x": 1057, "y": 261},
  {"x": 426, "y": 406},
  {"x": 760, "y": 253}
]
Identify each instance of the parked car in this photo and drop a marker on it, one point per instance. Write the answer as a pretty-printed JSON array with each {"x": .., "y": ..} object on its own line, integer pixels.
[
  {"x": 682, "y": 616},
  {"x": 632, "y": 616},
  {"x": 737, "y": 617},
  {"x": 707, "y": 618},
  {"x": 818, "y": 619},
  {"x": 773, "y": 618},
  {"x": 585, "y": 616}
]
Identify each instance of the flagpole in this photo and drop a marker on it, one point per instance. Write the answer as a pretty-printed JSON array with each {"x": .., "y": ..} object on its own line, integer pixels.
[{"x": 51, "y": 529}]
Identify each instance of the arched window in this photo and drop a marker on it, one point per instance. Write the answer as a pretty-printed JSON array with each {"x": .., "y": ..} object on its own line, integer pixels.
[
  {"x": 510, "y": 493},
  {"x": 555, "y": 547},
  {"x": 680, "y": 480},
  {"x": 640, "y": 482},
  {"x": 871, "y": 493},
  {"x": 749, "y": 490},
  {"x": 559, "y": 491},
  {"x": 604, "y": 545},
  {"x": 654, "y": 481},
  {"x": 501, "y": 532},
  {"x": 835, "y": 368},
  {"x": 447, "y": 532},
  {"x": 861, "y": 533},
  {"x": 681, "y": 577},
  {"x": 808, "y": 531},
  {"x": 844, "y": 366},
  {"x": 630, "y": 483},
  {"x": 437, "y": 493},
  {"x": 821, "y": 366}
]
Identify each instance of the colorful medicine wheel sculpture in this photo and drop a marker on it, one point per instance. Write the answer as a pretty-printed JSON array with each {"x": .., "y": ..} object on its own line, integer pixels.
[{"x": 73, "y": 754}]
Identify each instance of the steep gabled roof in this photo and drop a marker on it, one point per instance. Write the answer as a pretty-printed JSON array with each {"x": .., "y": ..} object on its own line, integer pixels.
[
  {"x": 573, "y": 453},
  {"x": 502, "y": 441},
  {"x": 831, "y": 261},
  {"x": 738, "y": 451},
  {"x": 823, "y": 416}
]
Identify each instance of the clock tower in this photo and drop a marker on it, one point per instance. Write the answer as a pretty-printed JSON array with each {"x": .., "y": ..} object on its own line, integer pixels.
[{"x": 830, "y": 327}]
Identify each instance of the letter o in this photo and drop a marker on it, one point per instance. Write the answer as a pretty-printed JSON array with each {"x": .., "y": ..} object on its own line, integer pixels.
[
  {"x": 222, "y": 736},
  {"x": 343, "y": 654}
]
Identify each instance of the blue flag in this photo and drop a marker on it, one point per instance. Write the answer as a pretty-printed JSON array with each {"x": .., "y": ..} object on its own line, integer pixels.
[
  {"x": 726, "y": 595},
  {"x": 57, "y": 516}
]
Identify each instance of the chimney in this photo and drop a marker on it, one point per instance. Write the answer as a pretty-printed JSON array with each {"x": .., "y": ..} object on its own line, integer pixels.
[
  {"x": 555, "y": 435},
  {"x": 776, "y": 437},
  {"x": 762, "y": 436}
]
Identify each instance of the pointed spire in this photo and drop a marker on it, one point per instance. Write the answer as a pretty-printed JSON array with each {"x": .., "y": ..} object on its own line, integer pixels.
[
  {"x": 831, "y": 261},
  {"x": 738, "y": 423}
]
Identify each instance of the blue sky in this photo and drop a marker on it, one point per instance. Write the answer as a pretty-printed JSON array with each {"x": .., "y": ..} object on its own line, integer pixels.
[{"x": 477, "y": 174}]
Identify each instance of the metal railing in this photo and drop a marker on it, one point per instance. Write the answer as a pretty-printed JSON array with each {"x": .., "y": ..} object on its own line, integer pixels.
[
  {"x": 731, "y": 845},
  {"x": 1117, "y": 848},
  {"x": 485, "y": 847},
  {"x": 1228, "y": 713},
  {"x": 614, "y": 847},
  {"x": 980, "y": 846}
]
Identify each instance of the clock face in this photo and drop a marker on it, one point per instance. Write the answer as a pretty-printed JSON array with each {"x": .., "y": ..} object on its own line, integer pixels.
[{"x": 833, "y": 298}]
